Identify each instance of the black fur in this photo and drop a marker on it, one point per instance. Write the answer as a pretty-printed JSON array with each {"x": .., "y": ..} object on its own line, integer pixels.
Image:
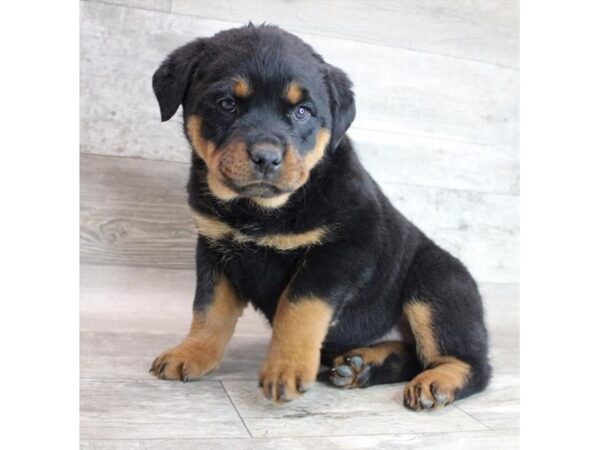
[{"x": 373, "y": 262}]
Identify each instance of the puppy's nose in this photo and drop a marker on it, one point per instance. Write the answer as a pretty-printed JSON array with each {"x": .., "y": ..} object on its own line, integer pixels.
[{"x": 266, "y": 158}]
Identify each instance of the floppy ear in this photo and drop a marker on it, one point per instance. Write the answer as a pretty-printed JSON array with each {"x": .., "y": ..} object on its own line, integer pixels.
[
  {"x": 172, "y": 78},
  {"x": 341, "y": 99}
]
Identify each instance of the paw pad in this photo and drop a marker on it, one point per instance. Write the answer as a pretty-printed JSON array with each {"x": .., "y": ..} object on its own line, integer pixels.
[{"x": 350, "y": 371}]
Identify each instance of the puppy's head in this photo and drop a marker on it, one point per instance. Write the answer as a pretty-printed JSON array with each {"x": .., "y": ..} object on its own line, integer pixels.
[{"x": 260, "y": 108}]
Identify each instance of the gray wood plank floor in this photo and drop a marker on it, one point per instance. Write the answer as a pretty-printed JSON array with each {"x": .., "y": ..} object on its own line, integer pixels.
[{"x": 130, "y": 314}]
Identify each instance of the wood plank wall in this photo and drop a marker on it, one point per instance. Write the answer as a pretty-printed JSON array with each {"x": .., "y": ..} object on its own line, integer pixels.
[{"x": 437, "y": 85}]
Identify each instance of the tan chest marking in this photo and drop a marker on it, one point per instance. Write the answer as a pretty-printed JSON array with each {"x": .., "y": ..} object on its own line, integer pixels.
[
  {"x": 214, "y": 229},
  {"x": 211, "y": 228}
]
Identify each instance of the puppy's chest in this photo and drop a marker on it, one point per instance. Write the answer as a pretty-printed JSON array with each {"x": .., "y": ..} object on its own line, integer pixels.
[
  {"x": 219, "y": 232},
  {"x": 259, "y": 274},
  {"x": 258, "y": 263}
]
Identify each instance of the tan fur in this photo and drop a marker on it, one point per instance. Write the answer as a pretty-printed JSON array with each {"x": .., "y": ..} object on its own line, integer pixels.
[
  {"x": 418, "y": 315},
  {"x": 292, "y": 241},
  {"x": 202, "y": 349},
  {"x": 218, "y": 189},
  {"x": 272, "y": 202},
  {"x": 207, "y": 151},
  {"x": 296, "y": 170},
  {"x": 203, "y": 148},
  {"x": 214, "y": 229},
  {"x": 293, "y": 92},
  {"x": 234, "y": 162},
  {"x": 315, "y": 155},
  {"x": 292, "y": 362},
  {"x": 241, "y": 87},
  {"x": 375, "y": 354},
  {"x": 436, "y": 386},
  {"x": 235, "y": 165},
  {"x": 293, "y": 169},
  {"x": 211, "y": 227}
]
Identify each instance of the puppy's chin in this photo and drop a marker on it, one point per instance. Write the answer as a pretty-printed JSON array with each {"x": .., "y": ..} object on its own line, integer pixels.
[
  {"x": 265, "y": 195},
  {"x": 260, "y": 190},
  {"x": 256, "y": 189}
]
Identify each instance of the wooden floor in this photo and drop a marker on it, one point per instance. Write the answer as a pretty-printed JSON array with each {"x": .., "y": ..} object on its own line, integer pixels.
[{"x": 129, "y": 315}]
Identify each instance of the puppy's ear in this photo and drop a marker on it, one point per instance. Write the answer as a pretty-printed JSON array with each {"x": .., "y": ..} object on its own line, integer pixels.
[
  {"x": 341, "y": 100},
  {"x": 172, "y": 78}
]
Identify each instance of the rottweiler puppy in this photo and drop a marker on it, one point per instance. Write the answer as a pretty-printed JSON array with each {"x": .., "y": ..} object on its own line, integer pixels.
[{"x": 289, "y": 220}]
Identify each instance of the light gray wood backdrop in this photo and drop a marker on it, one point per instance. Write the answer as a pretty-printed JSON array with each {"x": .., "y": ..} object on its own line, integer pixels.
[{"x": 437, "y": 86}]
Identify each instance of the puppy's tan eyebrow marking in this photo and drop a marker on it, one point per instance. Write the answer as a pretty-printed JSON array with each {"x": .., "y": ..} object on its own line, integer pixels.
[
  {"x": 293, "y": 92},
  {"x": 241, "y": 87}
]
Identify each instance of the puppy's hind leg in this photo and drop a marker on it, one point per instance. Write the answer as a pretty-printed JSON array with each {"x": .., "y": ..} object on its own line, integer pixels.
[{"x": 446, "y": 321}]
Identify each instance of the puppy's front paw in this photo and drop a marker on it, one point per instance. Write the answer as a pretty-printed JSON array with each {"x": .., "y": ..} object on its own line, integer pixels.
[
  {"x": 283, "y": 379},
  {"x": 190, "y": 360}
]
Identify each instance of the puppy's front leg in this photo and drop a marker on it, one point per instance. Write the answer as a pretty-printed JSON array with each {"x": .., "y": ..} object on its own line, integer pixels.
[
  {"x": 202, "y": 349},
  {"x": 299, "y": 328},
  {"x": 326, "y": 278},
  {"x": 217, "y": 309}
]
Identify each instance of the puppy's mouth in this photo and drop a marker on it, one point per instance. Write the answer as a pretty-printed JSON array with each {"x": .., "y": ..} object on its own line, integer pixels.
[{"x": 260, "y": 189}]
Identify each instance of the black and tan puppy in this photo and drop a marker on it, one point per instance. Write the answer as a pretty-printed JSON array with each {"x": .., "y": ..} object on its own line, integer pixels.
[{"x": 289, "y": 220}]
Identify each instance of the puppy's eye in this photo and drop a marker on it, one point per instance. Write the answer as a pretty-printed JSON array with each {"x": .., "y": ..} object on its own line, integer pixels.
[
  {"x": 301, "y": 114},
  {"x": 228, "y": 105}
]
